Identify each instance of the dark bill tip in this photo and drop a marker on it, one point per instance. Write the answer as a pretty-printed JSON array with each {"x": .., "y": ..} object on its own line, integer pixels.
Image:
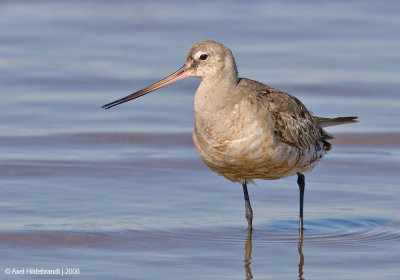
[{"x": 174, "y": 77}]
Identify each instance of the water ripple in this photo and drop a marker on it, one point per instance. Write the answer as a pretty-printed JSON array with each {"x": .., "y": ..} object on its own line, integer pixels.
[
  {"x": 321, "y": 232},
  {"x": 347, "y": 231}
]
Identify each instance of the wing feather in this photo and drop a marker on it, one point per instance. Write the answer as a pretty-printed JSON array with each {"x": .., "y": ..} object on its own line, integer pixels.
[{"x": 293, "y": 123}]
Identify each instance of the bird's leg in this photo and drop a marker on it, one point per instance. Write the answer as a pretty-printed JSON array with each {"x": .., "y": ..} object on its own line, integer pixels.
[
  {"x": 249, "y": 211},
  {"x": 302, "y": 185}
]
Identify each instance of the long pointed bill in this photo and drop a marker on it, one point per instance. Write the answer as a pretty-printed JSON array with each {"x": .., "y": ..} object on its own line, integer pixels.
[{"x": 174, "y": 77}]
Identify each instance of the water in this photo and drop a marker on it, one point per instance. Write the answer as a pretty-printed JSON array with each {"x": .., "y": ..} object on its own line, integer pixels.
[{"x": 122, "y": 193}]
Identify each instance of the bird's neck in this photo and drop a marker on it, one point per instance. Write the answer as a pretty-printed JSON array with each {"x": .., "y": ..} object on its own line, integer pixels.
[
  {"x": 214, "y": 103},
  {"x": 214, "y": 94}
]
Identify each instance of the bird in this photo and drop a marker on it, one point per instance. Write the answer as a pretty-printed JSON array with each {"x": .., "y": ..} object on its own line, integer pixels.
[{"x": 244, "y": 129}]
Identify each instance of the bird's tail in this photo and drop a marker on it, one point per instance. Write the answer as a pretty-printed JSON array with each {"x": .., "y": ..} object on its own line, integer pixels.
[{"x": 324, "y": 122}]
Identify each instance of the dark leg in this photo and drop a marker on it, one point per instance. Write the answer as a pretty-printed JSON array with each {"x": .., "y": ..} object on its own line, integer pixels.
[
  {"x": 249, "y": 211},
  {"x": 302, "y": 185}
]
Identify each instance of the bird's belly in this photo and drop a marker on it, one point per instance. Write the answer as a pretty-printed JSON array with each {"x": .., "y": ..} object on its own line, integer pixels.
[{"x": 254, "y": 157}]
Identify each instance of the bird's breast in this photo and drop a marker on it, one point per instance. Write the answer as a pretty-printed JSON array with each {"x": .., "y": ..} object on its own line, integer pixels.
[{"x": 236, "y": 144}]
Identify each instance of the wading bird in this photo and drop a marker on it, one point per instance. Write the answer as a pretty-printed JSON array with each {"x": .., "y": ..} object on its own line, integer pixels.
[{"x": 244, "y": 129}]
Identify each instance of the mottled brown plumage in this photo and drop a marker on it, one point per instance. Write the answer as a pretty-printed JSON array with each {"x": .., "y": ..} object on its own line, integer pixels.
[{"x": 293, "y": 123}]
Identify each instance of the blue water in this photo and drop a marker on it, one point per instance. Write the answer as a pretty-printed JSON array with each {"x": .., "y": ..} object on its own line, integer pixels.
[{"x": 122, "y": 193}]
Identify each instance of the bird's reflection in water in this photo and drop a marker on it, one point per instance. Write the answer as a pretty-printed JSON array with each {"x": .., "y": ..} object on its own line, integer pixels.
[
  {"x": 301, "y": 262},
  {"x": 247, "y": 254},
  {"x": 249, "y": 247}
]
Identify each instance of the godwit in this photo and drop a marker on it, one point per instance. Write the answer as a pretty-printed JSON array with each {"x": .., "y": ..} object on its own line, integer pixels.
[{"x": 245, "y": 130}]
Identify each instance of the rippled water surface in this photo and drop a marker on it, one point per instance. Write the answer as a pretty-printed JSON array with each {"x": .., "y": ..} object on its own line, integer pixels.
[{"x": 122, "y": 194}]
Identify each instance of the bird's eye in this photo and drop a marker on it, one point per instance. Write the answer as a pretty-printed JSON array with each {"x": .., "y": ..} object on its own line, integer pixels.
[{"x": 203, "y": 56}]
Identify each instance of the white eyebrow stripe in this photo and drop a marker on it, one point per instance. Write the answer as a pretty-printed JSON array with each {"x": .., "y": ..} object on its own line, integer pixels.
[{"x": 197, "y": 55}]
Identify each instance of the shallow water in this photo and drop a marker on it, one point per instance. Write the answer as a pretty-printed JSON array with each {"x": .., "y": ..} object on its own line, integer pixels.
[{"x": 122, "y": 194}]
